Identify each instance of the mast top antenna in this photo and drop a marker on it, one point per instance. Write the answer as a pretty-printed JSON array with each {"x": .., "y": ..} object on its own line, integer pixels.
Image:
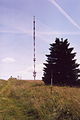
[{"x": 34, "y": 59}]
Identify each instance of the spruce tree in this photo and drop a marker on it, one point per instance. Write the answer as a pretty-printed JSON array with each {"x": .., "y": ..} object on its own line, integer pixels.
[{"x": 60, "y": 65}]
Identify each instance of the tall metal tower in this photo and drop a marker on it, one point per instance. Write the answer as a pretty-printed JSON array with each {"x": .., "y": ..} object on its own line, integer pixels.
[{"x": 34, "y": 59}]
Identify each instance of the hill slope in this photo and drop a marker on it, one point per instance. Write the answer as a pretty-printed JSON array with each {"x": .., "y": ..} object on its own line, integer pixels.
[{"x": 32, "y": 100}]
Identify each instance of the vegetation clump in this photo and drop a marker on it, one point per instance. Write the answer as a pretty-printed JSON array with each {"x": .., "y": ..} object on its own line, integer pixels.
[{"x": 61, "y": 66}]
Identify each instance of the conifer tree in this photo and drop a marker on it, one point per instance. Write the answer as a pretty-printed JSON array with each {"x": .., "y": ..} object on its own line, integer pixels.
[{"x": 60, "y": 66}]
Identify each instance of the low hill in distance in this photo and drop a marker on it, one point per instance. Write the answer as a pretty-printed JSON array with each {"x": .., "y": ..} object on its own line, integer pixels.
[{"x": 32, "y": 100}]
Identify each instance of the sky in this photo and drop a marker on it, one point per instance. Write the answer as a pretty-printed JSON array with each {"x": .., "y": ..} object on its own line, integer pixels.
[{"x": 54, "y": 18}]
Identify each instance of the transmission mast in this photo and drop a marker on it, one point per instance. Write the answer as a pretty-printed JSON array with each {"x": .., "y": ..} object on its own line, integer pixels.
[{"x": 34, "y": 59}]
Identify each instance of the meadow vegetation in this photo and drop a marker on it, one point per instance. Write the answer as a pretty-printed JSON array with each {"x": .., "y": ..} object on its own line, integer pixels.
[{"x": 32, "y": 100}]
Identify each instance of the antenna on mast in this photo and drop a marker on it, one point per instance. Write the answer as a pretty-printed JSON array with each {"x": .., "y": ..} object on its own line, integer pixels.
[{"x": 34, "y": 59}]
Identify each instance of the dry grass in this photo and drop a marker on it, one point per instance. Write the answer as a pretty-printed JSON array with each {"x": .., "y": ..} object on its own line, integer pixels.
[{"x": 32, "y": 100}]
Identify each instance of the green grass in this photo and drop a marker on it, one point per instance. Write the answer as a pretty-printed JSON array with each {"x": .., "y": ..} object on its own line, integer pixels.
[{"x": 32, "y": 100}]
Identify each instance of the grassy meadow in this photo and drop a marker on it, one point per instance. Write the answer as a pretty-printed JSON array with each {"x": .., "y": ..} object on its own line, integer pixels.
[{"x": 32, "y": 100}]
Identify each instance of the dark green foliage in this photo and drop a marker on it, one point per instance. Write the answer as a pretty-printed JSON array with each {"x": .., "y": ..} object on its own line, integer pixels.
[{"x": 60, "y": 65}]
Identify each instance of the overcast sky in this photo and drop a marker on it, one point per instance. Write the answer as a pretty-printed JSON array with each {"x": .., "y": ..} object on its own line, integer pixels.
[{"x": 54, "y": 18}]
